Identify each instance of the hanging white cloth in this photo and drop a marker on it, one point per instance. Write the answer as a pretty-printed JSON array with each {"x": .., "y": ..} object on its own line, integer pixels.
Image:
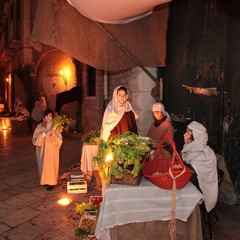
[{"x": 115, "y": 11}]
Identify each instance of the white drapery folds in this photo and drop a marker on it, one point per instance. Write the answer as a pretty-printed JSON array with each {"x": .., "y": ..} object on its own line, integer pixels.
[{"x": 115, "y": 11}]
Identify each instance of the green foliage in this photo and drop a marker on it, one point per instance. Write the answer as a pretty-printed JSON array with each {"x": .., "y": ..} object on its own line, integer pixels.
[
  {"x": 92, "y": 137},
  {"x": 80, "y": 232},
  {"x": 86, "y": 210},
  {"x": 127, "y": 151},
  {"x": 60, "y": 123},
  {"x": 83, "y": 207}
]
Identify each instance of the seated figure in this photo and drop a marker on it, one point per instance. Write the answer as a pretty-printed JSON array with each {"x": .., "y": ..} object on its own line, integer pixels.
[
  {"x": 23, "y": 112},
  {"x": 198, "y": 155}
]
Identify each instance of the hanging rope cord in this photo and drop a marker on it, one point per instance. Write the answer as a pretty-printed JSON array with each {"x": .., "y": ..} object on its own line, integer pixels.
[
  {"x": 127, "y": 52},
  {"x": 172, "y": 222},
  {"x": 175, "y": 163}
]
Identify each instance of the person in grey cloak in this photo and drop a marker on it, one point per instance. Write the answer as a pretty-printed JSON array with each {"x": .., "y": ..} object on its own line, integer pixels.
[{"x": 48, "y": 143}]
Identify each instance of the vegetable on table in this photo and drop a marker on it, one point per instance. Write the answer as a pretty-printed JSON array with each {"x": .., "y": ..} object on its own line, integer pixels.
[
  {"x": 127, "y": 152},
  {"x": 92, "y": 137}
]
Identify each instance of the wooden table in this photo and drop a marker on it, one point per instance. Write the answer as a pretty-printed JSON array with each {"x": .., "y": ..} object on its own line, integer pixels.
[{"x": 144, "y": 211}]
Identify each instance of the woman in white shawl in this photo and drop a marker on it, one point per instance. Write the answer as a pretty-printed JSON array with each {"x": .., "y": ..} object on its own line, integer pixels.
[
  {"x": 47, "y": 143},
  {"x": 119, "y": 116},
  {"x": 203, "y": 160}
]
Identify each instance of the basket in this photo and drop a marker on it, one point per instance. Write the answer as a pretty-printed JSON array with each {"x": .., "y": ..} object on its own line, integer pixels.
[
  {"x": 128, "y": 179},
  {"x": 166, "y": 172}
]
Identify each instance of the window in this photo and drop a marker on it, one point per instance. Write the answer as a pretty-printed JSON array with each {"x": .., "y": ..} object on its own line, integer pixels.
[{"x": 90, "y": 81}]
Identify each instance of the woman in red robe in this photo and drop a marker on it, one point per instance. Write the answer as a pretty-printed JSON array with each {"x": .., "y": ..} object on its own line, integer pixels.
[{"x": 119, "y": 116}]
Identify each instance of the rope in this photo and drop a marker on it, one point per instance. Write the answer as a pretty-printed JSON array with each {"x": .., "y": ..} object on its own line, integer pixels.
[{"x": 172, "y": 222}]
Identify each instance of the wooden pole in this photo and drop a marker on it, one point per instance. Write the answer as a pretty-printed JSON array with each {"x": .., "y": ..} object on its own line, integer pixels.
[{"x": 127, "y": 52}]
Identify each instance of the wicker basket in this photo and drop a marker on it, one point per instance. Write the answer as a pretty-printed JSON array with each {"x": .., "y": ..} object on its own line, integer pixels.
[{"x": 165, "y": 172}]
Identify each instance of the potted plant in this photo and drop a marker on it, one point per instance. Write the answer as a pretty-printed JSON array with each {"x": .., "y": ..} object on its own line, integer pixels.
[{"x": 122, "y": 156}]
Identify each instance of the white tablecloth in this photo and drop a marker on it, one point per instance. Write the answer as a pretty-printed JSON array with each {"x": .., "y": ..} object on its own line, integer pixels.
[
  {"x": 124, "y": 204},
  {"x": 88, "y": 152}
]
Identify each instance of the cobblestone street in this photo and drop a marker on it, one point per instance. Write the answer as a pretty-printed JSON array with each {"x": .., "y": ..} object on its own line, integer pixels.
[{"x": 27, "y": 210}]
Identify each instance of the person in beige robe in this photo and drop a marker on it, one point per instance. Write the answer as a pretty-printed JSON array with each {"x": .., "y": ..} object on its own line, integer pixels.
[{"x": 48, "y": 143}]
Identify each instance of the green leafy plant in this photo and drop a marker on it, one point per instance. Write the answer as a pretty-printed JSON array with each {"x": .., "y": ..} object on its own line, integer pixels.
[
  {"x": 81, "y": 233},
  {"x": 85, "y": 207},
  {"x": 60, "y": 123},
  {"x": 126, "y": 152},
  {"x": 92, "y": 137}
]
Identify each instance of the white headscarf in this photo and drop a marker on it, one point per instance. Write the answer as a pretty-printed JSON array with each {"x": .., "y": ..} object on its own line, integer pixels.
[
  {"x": 113, "y": 114},
  {"x": 159, "y": 107},
  {"x": 203, "y": 160}
]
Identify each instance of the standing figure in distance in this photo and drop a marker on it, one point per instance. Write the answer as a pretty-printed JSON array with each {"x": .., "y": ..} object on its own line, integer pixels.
[
  {"x": 48, "y": 143},
  {"x": 119, "y": 116},
  {"x": 198, "y": 155},
  {"x": 37, "y": 112},
  {"x": 43, "y": 103},
  {"x": 16, "y": 106}
]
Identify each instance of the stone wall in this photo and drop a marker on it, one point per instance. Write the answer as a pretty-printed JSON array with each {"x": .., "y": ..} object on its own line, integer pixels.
[{"x": 92, "y": 107}]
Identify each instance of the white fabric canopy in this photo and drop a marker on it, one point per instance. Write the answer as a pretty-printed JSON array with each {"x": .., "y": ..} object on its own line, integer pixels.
[{"x": 115, "y": 11}]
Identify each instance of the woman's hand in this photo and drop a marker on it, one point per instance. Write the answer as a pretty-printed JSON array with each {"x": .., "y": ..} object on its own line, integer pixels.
[{"x": 50, "y": 132}]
